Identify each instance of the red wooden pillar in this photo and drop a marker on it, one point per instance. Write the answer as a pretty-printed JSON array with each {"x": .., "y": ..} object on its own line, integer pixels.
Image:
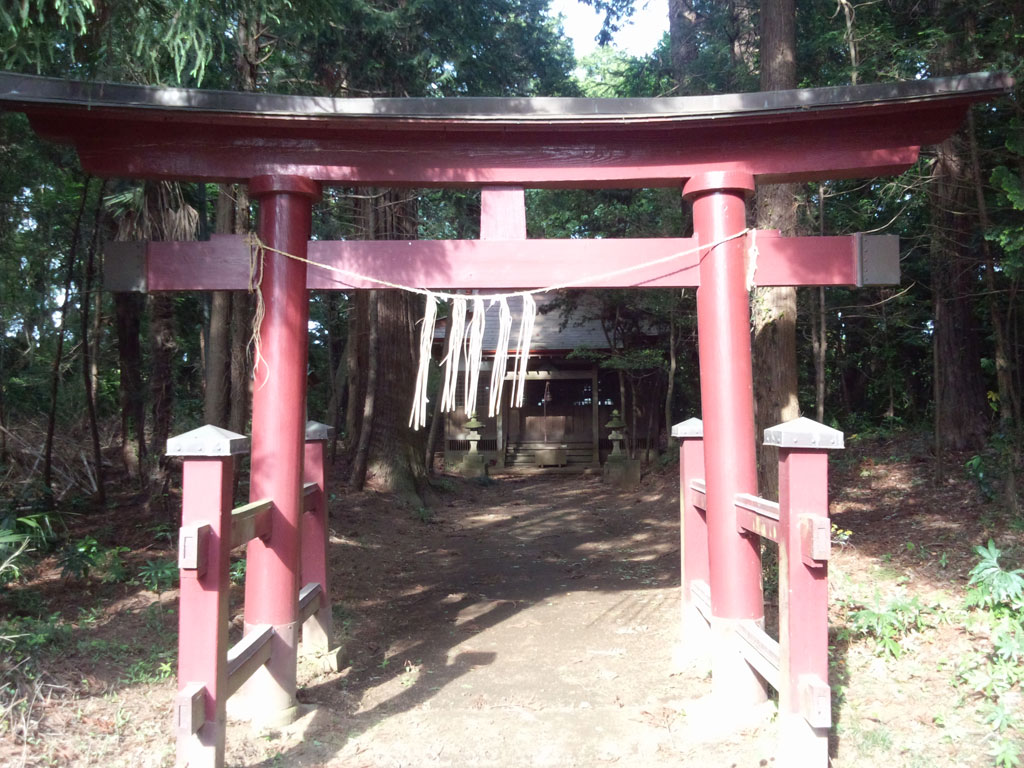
[
  {"x": 727, "y": 400},
  {"x": 203, "y": 546},
  {"x": 278, "y": 434},
  {"x": 693, "y": 530},
  {"x": 316, "y": 630},
  {"x": 804, "y": 539}
]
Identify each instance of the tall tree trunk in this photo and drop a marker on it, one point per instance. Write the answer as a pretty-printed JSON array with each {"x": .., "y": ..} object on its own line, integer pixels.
[
  {"x": 217, "y": 393},
  {"x": 961, "y": 408},
  {"x": 962, "y": 413},
  {"x": 362, "y": 453},
  {"x": 774, "y": 309},
  {"x": 128, "y": 308},
  {"x": 88, "y": 362},
  {"x": 1009, "y": 405},
  {"x": 339, "y": 391},
  {"x": 395, "y": 451},
  {"x": 682, "y": 37},
  {"x": 69, "y": 272}
]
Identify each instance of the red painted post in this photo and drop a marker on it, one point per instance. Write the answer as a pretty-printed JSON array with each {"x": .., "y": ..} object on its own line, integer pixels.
[
  {"x": 804, "y": 535},
  {"x": 316, "y": 630},
  {"x": 204, "y": 544},
  {"x": 727, "y": 400},
  {"x": 693, "y": 530},
  {"x": 278, "y": 433}
]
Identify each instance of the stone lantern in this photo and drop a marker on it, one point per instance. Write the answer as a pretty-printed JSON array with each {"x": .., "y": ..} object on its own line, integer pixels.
[
  {"x": 473, "y": 464},
  {"x": 616, "y": 425}
]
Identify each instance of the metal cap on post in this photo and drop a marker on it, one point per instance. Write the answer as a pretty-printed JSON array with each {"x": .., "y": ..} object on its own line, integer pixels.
[
  {"x": 208, "y": 441},
  {"x": 804, "y": 433},
  {"x": 688, "y": 429},
  {"x": 318, "y": 431}
]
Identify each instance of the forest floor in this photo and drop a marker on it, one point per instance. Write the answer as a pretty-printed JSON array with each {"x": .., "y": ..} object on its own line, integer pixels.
[{"x": 527, "y": 621}]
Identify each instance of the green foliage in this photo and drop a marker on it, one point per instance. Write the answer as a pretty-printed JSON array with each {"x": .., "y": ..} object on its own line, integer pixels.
[
  {"x": 995, "y": 673},
  {"x": 236, "y": 572},
  {"x": 993, "y": 587},
  {"x": 158, "y": 575},
  {"x": 78, "y": 558},
  {"x": 888, "y": 624}
]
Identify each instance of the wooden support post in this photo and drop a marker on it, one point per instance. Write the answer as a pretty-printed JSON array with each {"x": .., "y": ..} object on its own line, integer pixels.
[
  {"x": 200, "y": 715},
  {"x": 804, "y": 694},
  {"x": 278, "y": 432},
  {"x": 727, "y": 401},
  {"x": 693, "y": 530},
  {"x": 316, "y": 630}
]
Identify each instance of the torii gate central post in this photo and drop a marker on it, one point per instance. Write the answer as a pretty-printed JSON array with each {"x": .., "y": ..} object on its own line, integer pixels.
[
  {"x": 278, "y": 440},
  {"x": 727, "y": 403},
  {"x": 716, "y": 148}
]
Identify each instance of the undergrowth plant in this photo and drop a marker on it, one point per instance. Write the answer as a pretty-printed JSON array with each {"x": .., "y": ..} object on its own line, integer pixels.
[
  {"x": 993, "y": 673},
  {"x": 890, "y": 623}
]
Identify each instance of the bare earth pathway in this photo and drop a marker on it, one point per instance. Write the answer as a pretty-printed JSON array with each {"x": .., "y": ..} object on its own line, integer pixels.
[{"x": 530, "y": 622}]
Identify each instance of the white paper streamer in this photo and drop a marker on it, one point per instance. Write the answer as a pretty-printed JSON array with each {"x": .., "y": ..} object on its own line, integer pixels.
[
  {"x": 418, "y": 417},
  {"x": 456, "y": 334},
  {"x": 523, "y": 349},
  {"x": 474, "y": 353},
  {"x": 500, "y": 356}
]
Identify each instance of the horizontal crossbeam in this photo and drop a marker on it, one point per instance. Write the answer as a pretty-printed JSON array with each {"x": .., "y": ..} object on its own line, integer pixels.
[
  {"x": 310, "y": 597},
  {"x": 760, "y": 650},
  {"x": 223, "y": 263},
  {"x": 250, "y": 521},
  {"x": 757, "y": 515},
  {"x": 247, "y": 655}
]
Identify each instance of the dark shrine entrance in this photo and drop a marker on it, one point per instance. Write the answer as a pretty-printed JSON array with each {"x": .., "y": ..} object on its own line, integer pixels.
[{"x": 714, "y": 149}]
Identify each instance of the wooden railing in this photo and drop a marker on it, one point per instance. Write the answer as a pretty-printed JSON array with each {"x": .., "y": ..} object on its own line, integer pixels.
[
  {"x": 209, "y": 672},
  {"x": 796, "y": 664}
]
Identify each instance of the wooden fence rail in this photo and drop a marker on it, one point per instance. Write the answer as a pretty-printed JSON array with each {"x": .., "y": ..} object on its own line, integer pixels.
[
  {"x": 209, "y": 672},
  {"x": 796, "y": 664}
]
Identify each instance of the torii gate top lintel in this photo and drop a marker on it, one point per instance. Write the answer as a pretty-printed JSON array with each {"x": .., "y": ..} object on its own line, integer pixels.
[{"x": 800, "y": 135}]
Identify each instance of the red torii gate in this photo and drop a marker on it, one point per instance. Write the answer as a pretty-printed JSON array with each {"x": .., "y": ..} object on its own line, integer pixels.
[{"x": 716, "y": 148}]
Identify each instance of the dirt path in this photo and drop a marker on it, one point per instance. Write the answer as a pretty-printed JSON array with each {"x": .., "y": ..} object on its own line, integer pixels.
[{"x": 528, "y": 623}]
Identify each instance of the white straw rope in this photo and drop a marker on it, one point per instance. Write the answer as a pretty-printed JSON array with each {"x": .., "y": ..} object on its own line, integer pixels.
[
  {"x": 255, "y": 242},
  {"x": 468, "y": 340}
]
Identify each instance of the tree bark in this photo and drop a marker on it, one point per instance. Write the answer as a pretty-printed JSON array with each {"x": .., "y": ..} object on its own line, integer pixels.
[
  {"x": 128, "y": 309},
  {"x": 774, "y": 309},
  {"x": 962, "y": 413},
  {"x": 217, "y": 393},
  {"x": 682, "y": 41},
  {"x": 395, "y": 451},
  {"x": 361, "y": 459}
]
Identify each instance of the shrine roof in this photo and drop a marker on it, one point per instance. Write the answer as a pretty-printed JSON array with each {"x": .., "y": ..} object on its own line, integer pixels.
[{"x": 807, "y": 134}]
